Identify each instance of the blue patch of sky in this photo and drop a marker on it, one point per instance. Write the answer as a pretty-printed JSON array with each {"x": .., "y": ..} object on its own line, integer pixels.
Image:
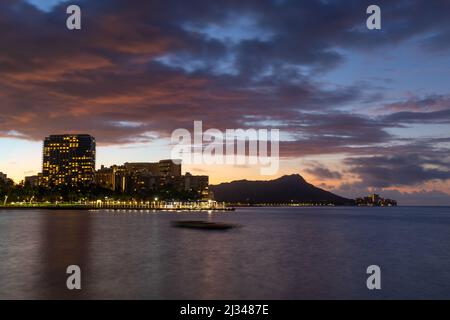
[
  {"x": 421, "y": 131},
  {"x": 398, "y": 71},
  {"x": 45, "y": 5},
  {"x": 236, "y": 28}
]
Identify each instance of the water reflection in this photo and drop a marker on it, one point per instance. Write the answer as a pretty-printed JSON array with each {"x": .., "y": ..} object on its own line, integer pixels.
[
  {"x": 65, "y": 241},
  {"x": 277, "y": 254}
]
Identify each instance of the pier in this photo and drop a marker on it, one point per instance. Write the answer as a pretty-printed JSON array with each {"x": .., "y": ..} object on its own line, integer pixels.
[{"x": 124, "y": 205}]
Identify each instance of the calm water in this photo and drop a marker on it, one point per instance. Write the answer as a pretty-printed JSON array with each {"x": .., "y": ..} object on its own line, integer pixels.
[{"x": 285, "y": 253}]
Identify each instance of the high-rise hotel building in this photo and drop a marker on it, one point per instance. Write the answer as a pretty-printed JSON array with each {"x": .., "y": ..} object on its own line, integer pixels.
[{"x": 69, "y": 160}]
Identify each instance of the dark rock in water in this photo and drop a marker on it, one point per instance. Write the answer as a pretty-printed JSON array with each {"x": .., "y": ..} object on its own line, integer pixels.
[{"x": 202, "y": 225}]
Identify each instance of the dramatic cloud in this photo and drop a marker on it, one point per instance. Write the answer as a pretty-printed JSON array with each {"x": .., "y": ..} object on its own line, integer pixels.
[
  {"x": 419, "y": 104},
  {"x": 441, "y": 116},
  {"x": 323, "y": 172},
  {"x": 140, "y": 69},
  {"x": 398, "y": 170}
]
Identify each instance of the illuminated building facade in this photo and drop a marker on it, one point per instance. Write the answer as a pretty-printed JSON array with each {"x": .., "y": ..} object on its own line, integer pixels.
[
  {"x": 196, "y": 183},
  {"x": 144, "y": 168},
  {"x": 69, "y": 160},
  {"x": 170, "y": 168},
  {"x": 143, "y": 178},
  {"x": 111, "y": 178}
]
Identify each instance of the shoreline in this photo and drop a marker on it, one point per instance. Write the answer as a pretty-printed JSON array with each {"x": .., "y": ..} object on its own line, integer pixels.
[
  {"x": 231, "y": 207},
  {"x": 90, "y": 208}
]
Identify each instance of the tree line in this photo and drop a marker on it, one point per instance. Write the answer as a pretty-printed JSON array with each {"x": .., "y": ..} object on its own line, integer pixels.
[{"x": 25, "y": 192}]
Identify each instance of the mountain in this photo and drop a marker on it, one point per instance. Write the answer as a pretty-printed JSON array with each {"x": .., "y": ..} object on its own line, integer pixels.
[{"x": 291, "y": 188}]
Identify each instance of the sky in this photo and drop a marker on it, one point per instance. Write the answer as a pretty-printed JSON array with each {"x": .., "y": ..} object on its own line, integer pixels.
[{"x": 359, "y": 110}]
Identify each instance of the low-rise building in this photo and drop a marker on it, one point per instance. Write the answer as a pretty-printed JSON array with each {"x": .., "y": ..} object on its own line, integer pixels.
[
  {"x": 149, "y": 177},
  {"x": 33, "y": 181},
  {"x": 169, "y": 168},
  {"x": 374, "y": 200},
  {"x": 109, "y": 177}
]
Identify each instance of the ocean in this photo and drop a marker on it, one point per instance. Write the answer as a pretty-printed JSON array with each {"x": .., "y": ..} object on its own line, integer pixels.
[{"x": 275, "y": 253}]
